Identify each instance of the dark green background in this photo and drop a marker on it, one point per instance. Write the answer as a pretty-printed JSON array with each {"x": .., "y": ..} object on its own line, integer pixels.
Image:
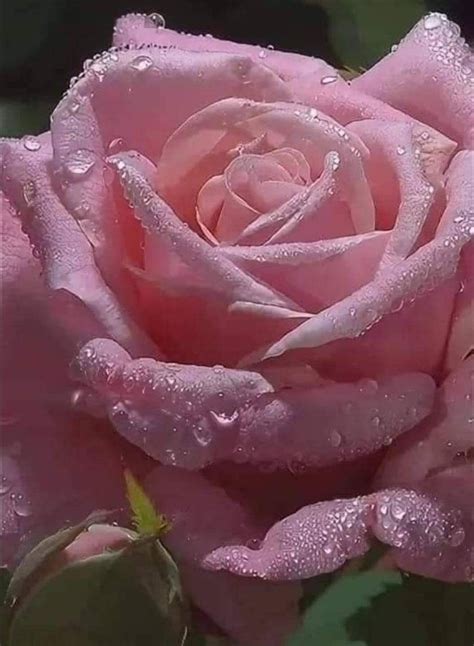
[{"x": 44, "y": 42}]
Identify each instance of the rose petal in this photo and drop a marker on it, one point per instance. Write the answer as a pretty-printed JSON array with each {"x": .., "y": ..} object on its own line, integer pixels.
[
  {"x": 180, "y": 414},
  {"x": 427, "y": 269},
  {"x": 311, "y": 214},
  {"x": 192, "y": 415},
  {"x": 461, "y": 337},
  {"x": 65, "y": 253},
  {"x": 202, "y": 518},
  {"x": 337, "y": 267},
  {"x": 429, "y": 76},
  {"x": 200, "y": 149},
  {"x": 56, "y": 465},
  {"x": 430, "y": 528},
  {"x": 213, "y": 273},
  {"x": 139, "y": 29},
  {"x": 444, "y": 436},
  {"x": 418, "y": 163},
  {"x": 86, "y": 126}
]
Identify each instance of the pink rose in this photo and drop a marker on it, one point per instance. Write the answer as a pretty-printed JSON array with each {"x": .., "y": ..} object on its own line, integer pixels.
[{"x": 251, "y": 282}]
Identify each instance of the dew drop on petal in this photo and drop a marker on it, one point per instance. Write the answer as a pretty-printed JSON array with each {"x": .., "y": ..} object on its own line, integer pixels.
[
  {"x": 31, "y": 143},
  {"x": 141, "y": 63},
  {"x": 202, "y": 434},
  {"x": 457, "y": 537},
  {"x": 335, "y": 438},
  {"x": 29, "y": 192},
  {"x": 5, "y": 485},
  {"x": 433, "y": 21},
  {"x": 21, "y": 506},
  {"x": 115, "y": 146},
  {"x": 79, "y": 163},
  {"x": 326, "y": 80},
  {"x": 157, "y": 19},
  {"x": 401, "y": 150}
]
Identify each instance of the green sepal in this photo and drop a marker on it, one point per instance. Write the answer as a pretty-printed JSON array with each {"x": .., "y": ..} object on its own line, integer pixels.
[{"x": 131, "y": 597}]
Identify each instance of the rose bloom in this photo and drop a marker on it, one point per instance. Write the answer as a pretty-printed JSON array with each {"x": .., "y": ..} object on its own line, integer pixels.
[{"x": 251, "y": 282}]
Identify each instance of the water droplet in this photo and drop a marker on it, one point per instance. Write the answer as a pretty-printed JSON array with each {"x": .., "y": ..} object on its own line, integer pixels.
[
  {"x": 223, "y": 419},
  {"x": 397, "y": 511},
  {"x": 457, "y": 537},
  {"x": 253, "y": 543},
  {"x": 79, "y": 163},
  {"x": 31, "y": 143},
  {"x": 21, "y": 506},
  {"x": 334, "y": 160},
  {"x": 433, "y": 21},
  {"x": 262, "y": 53},
  {"x": 115, "y": 146},
  {"x": 368, "y": 386},
  {"x": 203, "y": 434},
  {"x": 157, "y": 19},
  {"x": 393, "y": 48},
  {"x": 328, "y": 548},
  {"x": 29, "y": 192},
  {"x": 5, "y": 485},
  {"x": 335, "y": 438},
  {"x": 352, "y": 311},
  {"x": 376, "y": 421},
  {"x": 141, "y": 63},
  {"x": 326, "y": 80},
  {"x": 401, "y": 150}
]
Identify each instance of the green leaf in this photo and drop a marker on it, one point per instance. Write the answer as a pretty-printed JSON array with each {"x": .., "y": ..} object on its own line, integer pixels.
[
  {"x": 422, "y": 611},
  {"x": 131, "y": 597},
  {"x": 324, "y": 621},
  {"x": 146, "y": 520},
  {"x": 29, "y": 569},
  {"x": 362, "y": 31}
]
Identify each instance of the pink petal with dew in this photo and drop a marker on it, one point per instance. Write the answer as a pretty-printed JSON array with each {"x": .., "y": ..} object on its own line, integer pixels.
[
  {"x": 57, "y": 465},
  {"x": 138, "y": 29},
  {"x": 213, "y": 273},
  {"x": 429, "y": 527},
  {"x": 203, "y": 517},
  {"x": 314, "y": 274},
  {"x": 192, "y": 416},
  {"x": 443, "y": 439},
  {"x": 417, "y": 162},
  {"x": 424, "y": 271},
  {"x": 65, "y": 253},
  {"x": 314, "y": 213},
  {"x": 86, "y": 126},
  {"x": 429, "y": 76},
  {"x": 200, "y": 149}
]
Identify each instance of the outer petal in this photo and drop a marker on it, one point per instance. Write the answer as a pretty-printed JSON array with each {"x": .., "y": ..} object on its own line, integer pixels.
[
  {"x": 56, "y": 465},
  {"x": 203, "y": 517},
  {"x": 192, "y": 416},
  {"x": 65, "y": 253},
  {"x": 442, "y": 439},
  {"x": 157, "y": 89},
  {"x": 428, "y": 76},
  {"x": 136, "y": 29},
  {"x": 431, "y": 529}
]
